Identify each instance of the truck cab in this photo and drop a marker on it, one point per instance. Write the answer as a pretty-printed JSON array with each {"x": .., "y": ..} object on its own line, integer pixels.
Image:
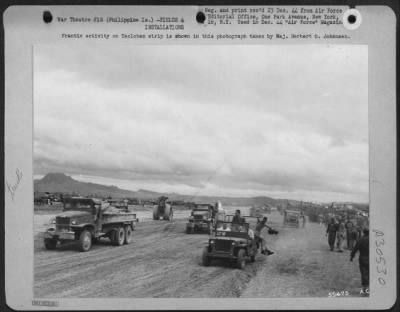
[
  {"x": 201, "y": 219},
  {"x": 292, "y": 218}
]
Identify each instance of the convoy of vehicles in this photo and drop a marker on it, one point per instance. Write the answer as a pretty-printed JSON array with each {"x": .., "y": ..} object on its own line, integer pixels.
[{"x": 86, "y": 219}]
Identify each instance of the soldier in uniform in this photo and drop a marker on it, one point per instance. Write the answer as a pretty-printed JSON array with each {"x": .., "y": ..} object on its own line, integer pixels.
[
  {"x": 264, "y": 249},
  {"x": 363, "y": 247},
  {"x": 237, "y": 218},
  {"x": 349, "y": 227},
  {"x": 340, "y": 235},
  {"x": 331, "y": 233}
]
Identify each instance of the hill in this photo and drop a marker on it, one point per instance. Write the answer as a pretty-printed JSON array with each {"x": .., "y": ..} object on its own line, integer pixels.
[{"x": 61, "y": 183}]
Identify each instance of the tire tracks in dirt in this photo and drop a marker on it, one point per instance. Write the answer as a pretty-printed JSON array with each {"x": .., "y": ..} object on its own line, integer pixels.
[{"x": 161, "y": 261}]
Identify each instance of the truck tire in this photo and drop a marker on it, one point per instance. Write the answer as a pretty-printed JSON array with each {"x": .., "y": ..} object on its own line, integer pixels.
[
  {"x": 50, "y": 244},
  {"x": 85, "y": 240},
  {"x": 118, "y": 236},
  {"x": 241, "y": 259},
  {"x": 128, "y": 234},
  {"x": 206, "y": 259}
]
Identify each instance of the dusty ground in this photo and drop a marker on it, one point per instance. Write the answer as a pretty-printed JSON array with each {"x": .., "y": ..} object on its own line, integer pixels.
[{"x": 163, "y": 261}]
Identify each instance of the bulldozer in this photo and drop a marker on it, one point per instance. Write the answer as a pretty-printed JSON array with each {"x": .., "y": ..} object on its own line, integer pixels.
[{"x": 163, "y": 210}]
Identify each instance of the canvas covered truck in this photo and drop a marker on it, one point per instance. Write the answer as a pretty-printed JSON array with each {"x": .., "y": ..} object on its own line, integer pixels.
[{"x": 85, "y": 220}]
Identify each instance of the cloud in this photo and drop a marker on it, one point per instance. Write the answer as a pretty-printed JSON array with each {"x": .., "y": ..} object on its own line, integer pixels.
[{"x": 225, "y": 119}]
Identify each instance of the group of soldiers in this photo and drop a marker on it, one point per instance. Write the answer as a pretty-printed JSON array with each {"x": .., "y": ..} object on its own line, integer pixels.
[{"x": 357, "y": 241}]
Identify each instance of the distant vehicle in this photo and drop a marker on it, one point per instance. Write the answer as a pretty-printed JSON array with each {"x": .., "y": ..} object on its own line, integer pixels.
[
  {"x": 202, "y": 218},
  {"x": 163, "y": 210},
  {"x": 86, "y": 219},
  {"x": 291, "y": 217},
  {"x": 232, "y": 242}
]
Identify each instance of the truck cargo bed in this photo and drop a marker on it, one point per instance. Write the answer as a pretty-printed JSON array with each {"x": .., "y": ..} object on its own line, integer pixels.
[{"x": 114, "y": 217}]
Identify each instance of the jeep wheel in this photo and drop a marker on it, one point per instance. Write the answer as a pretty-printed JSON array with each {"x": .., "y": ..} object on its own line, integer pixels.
[
  {"x": 206, "y": 259},
  {"x": 118, "y": 236},
  {"x": 241, "y": 259},
  {"x": 50, "y": 244},
  {"x": 128, "y": 234},
  {"x": 85, "y": 240}
]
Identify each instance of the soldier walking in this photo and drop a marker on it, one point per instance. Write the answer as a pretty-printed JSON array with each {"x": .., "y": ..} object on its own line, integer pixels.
[
  {"x": 331, "y": 233},
  {"x": 340, "y": 236},
  {"x": 363, "y": 247},
  {"x": 264, "y": 249},
  {"x": 349, "y": 227}
]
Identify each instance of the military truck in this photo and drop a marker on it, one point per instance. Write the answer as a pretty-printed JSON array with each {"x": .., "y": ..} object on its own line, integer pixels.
[
  {"x": 291, "y": 217},
  {"x": 201, "y": 218},
  {"x": 232, "y": 242},
  {"x": 163, "y": 210},
  {"x": 87, "y": 219}
]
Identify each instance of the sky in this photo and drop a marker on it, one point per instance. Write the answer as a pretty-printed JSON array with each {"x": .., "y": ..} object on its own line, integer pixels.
[{"x": 223, "y": 120}]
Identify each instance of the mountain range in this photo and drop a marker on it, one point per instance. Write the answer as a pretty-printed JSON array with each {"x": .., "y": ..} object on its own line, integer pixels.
[{"x": 62, "y": 183}]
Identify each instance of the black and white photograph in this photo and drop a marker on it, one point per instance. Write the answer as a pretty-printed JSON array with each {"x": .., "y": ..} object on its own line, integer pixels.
[{"x": 201, "y": 171}]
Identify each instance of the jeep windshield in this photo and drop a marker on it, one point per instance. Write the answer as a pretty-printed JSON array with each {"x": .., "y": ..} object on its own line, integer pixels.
[
  {"x": 229, "y": 229},
  {"x": 85, "y": 204}
]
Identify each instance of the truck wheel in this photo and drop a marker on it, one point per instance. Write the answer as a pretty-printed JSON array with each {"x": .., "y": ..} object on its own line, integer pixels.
[
  {"x": 241, "y": 259},
  {"x": 128, "y": 234},
  {"x": 85, "y": 240},
  {"x": 50, "y": 244},
  {"x": 206, "y": 259},
  {"x": 118, "y": 236}
]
